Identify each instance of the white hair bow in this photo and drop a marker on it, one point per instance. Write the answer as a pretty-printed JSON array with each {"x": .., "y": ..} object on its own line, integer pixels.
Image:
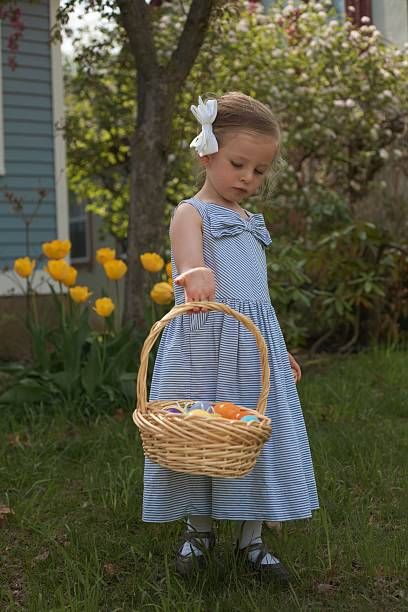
[{"x": 205, "y": 143}]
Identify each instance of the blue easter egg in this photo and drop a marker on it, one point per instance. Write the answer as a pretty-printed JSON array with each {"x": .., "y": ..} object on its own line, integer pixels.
[
  {"x": 201, "y": 405},
  {"x": 248, "y": 418}
]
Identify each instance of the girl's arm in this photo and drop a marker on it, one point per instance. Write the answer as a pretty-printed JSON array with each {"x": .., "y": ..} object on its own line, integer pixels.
[{"x": 187, "y": 245}]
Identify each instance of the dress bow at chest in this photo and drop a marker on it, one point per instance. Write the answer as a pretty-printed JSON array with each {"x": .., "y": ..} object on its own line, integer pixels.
[{"x": 223, "y": 225}]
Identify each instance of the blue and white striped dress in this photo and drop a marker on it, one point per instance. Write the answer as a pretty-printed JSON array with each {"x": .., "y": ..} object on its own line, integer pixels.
[{"x": 212, "y": 356}]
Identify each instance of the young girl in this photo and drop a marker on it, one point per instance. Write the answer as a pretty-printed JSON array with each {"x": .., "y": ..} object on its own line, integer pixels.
[{"x": 218, "y": 254}]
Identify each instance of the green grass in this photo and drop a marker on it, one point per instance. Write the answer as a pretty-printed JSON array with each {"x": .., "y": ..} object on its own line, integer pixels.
[{"x": 76, "y": 542}]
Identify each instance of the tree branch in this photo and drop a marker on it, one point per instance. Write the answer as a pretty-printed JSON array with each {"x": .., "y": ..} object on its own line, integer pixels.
[
  {"x": 136, "y": 21},
  {"x": 190, "y": 41}
]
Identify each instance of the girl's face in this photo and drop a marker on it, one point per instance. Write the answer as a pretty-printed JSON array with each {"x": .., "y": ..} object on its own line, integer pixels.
[{"x": 238, "y": 169}]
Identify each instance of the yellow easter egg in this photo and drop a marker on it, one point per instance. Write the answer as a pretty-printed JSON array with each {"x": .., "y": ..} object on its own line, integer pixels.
[{"x": 199, "y": 412}]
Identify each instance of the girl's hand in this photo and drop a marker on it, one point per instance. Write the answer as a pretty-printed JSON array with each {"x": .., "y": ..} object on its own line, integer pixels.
[
  {"x": 295, "y": 368},
  {"x": 199, "y": 284}
]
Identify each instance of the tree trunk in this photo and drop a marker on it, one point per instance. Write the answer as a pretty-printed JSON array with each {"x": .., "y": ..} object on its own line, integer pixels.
[
  {"x": 157, "y": 87},
  {"x": 146, "y": 231}
]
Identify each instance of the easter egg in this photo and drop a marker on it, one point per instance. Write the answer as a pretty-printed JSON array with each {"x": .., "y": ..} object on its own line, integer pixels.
[
  {"x": 201, "y": 405},
  {"x": 174, "y": 409},
  {"x": 249, "y": 418},
  {"x": 228, "y": 410},
  {"x": 199, "y": 412}
]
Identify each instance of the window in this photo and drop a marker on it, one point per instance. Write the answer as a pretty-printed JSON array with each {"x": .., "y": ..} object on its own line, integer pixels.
[
  {"x": 356, "y": 9},
  {"x": 79, "y": 231}
]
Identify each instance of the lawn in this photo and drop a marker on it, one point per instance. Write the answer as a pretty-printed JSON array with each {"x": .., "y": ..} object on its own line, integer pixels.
[{"x": 73, "y": 539}]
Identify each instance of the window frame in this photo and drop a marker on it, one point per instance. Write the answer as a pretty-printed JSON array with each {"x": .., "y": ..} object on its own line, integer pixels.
[{"x": 87, "y": 218}]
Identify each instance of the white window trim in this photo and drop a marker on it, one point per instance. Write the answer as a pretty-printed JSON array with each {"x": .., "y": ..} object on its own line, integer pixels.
[{"x": 61, "y": 190}]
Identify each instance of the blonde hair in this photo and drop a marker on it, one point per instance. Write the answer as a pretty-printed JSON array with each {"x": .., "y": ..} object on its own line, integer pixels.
[{"x": 237, "y": 112}]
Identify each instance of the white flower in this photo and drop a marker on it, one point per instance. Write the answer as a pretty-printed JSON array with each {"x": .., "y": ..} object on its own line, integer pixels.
[
  {"x": 290, "y": 71},
  {"x": 277, "y": 52},
  {"x": 356, "y": 186},
  {"x": 365, "y": 19},
  {"x": 242, "y": 25},
  {"x": 397, "y": 153},
  {"x": 349, "y": 103},
  {"x": 355, "y": 35},
  {"x": 374, "y": 133},
  {"x": 339, "y": 103},
  {"x": 384, "y": 154}
]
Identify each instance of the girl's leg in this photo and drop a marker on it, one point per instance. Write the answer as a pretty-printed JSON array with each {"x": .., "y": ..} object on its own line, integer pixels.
[
  {"x": 200, "y": 525},
  {"x": 250, "y": 532}
]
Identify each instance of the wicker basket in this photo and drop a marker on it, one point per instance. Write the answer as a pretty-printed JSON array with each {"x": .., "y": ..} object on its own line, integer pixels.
[{"x": 196, "y": 444}]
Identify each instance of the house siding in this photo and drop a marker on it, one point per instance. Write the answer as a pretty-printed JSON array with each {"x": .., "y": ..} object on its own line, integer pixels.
[{"x": 28, "y": 135}]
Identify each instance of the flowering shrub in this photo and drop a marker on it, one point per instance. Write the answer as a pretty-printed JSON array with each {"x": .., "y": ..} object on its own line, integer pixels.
[{"x": 340, "y": 94}]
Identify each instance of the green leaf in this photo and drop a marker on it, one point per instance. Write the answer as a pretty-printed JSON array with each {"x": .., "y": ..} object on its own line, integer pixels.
[
  {"x": 26, "y": 391},
  {"x": 91, "y": 376}
]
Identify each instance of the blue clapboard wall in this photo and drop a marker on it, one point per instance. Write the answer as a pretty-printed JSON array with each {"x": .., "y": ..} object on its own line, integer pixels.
[{"x": 28, "y": 135}]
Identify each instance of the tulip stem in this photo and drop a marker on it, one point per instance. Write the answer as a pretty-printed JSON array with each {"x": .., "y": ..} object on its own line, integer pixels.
[
  {"x": 28, "y": 298},
  {"x": 34, "y": 302},
  {"x": 118, "y": 308},
  {"x": 62, "y": 305}
]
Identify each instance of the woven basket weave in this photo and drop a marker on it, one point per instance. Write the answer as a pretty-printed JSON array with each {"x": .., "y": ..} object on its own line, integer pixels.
[{"x": 196, "y": 444}]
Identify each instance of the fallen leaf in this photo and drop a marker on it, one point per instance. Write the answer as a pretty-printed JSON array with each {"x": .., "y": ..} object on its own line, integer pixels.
[
  {"x": 119, "y": 415},
  {"x": 110, "y": 569},
  {"x": 15, "y": 439},
  {"x": 41, "y": 557},
  {"x": 5, "y": 511}
]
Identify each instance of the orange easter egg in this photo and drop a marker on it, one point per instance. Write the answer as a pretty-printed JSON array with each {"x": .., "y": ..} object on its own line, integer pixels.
[{"x": 228, "y": 410}]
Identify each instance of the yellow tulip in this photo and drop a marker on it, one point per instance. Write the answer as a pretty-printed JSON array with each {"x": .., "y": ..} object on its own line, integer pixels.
[
  {"x": 105, "y": 254},
  {"x": 152, "y": 262},
  {"x": 104, "y": 307},
  {"x": 168, "y": 269},
  {"x": 79, "y": 294},
  {"x": 23, "y": 266},
  {"x": 57, "y": 269},
  {"x": 115, "y": 269},
  {"x": 70, "y": 277},
  {"x": 162, "y": 293},
  {"x": 56, "y": 249}
]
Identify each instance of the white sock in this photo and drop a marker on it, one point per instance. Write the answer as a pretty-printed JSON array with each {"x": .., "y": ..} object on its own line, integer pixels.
[
  {"x": 250, "y": 533},
  {"x": 196, "y": 523}
]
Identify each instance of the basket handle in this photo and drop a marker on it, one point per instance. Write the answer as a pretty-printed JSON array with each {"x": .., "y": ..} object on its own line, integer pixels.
[{"x": 179, "y": 309}]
